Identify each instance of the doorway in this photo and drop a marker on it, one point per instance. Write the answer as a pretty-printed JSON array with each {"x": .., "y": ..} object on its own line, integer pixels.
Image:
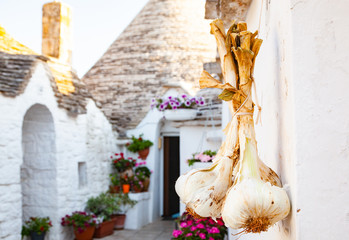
[
  {"x": 38, "y": 170},
  {"x": 171, "y": 173}
]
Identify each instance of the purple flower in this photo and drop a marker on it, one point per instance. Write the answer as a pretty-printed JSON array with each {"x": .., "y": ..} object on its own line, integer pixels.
[
  {"x": 153, "y": 100},
  {"x": 184, "y": 96},
  {"x": 193, "y": 99},
  {"x": 177, "y": 233},
  {"x": 170, "y": 97},
  {"x": 202, "y": 103},
  {"x": 187, "y": 103},
  {"x": 197, "y": 102},
  {"x": 174, "y": 107},
  {"x": 161, "y": 107}
]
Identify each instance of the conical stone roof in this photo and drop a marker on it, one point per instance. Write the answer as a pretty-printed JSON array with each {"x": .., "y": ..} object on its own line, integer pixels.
[{"x": 164, "y": 46}]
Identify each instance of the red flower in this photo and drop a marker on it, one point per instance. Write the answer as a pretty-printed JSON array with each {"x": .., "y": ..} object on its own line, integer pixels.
[
  {"x": 111, "y": 157},
  {"x": 122, "y": 155},
  {"x": 140, "y": 139},
  {"x": 127, "y": 144},
  {"x": 116, "y": 154},
  {"x": 42, "y": 229},
  {"x": 50, "y": 223}
]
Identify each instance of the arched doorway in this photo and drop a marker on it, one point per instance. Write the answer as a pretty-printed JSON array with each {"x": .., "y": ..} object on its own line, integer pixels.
[{"x": 38, "y": 170}]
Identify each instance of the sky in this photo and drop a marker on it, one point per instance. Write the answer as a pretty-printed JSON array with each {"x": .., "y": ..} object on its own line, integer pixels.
[{"x": 96, "y": 24}]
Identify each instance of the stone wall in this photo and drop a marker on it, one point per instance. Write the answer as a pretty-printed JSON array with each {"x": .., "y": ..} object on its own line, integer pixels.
[
  {"x": 301, "y": 80},
  {"x": 86, "y": 140}
]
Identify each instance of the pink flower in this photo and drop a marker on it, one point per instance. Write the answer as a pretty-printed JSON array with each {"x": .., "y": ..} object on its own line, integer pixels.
[
  {"x": 202, "y": 235},
  {"x": 211, "y": 238},
  {"x": 198, "y": 156},
  {"x": 193, "y": 228},
  {"x": 189, "y": 234},
  {"x": 205, "y": 158},
  {"x": 177, "y": 233},
  {"x": 189, "y": 223},
  {"x": 215, "y": 230},
  {"x": 200, "y": 225},
  {"x": 183, "y": 224}
]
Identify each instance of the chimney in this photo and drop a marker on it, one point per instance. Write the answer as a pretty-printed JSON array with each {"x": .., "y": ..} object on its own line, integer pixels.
[{"x": 56, "y": 31}]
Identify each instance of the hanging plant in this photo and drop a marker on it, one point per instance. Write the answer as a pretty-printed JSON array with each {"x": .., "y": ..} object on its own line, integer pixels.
[
  {"x": 176, "y": 102},
  {"x": 139, "y": 145},
  {"x": 238, "y": 186},
  {"x": 205, "y": 156}
]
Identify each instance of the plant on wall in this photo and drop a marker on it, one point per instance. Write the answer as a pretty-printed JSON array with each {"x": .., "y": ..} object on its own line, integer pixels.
[
  {"x": 205, "y": 156},
  {"x": 181, "y": 102},
  {"x": 138, "y": 144},
  {"x": 121, "y": 163}
]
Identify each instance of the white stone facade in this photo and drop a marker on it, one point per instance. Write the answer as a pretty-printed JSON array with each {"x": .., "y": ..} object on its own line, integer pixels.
[
  {"x": 41, "y": 149},
  {"x": 302, "y": 83}
]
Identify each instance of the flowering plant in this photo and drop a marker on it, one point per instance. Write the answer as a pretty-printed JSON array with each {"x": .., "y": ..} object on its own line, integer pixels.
[
  {"x": 104, "y": 206},
  {"x": 171, "y": 102},
  {"x": 121, "y": 163},
  {"x": 206, "y": 156},
  {"x": 36, "y": 224},
  {"x": 138, "y": 144},
  {"x": 137, "y": 181},
  {"x": 79, "y": 220},
  {"x": 115, "y": 179},
  {"x": 143, "y": 170},
  {"x": 196, "y": 229}
]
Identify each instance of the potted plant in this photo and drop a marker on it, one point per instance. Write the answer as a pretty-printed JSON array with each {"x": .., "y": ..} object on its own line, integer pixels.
[
  {"x": 115, "y": 186},
  {"x": 206, "y": 156},
  {"x": 190, "y": 228},
  {"x": 82, "y": 223},
  {"x": 125, "y": 183},
  {"x": 137, "y": 183},
  {"x": 124, "y": 202},
  {"x": 144, "y": 173},
  {"x": 103, "y": 206},
  {"x": 36, "y": 228},
  {"x": 178, "y": 108},
  {"x": 140, "y": 145},
  {"x": 123, "y": 165}
]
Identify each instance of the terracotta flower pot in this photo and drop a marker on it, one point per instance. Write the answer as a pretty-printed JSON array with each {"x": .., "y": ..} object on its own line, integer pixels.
[
  {"x": 105, "y": 229},
  {"x": 137, "y": 189},
  {"x": 126, "y": 188},
  {"x": 143, "y": 154},
  {"x": 87, "y": 234},
  {"x": 146, "y": 183},
  {"x": 120, "y": 221},
  {"x": 114, "y": 189},
  {"x": 127, "y": 172}
]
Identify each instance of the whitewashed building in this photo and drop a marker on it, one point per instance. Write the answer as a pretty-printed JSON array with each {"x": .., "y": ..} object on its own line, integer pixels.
[{"x": 55, "y": 144}]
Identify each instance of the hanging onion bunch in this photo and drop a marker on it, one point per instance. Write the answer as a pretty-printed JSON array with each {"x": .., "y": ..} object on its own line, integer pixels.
[{"x": 238, "y": 186}]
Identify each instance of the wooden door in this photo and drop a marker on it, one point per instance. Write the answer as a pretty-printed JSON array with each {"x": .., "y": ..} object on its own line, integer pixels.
[{"x": 171, "y": 173}]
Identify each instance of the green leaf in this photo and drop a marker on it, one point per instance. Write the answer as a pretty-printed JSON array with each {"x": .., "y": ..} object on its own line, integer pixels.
[{"x": 226, "y": 95}]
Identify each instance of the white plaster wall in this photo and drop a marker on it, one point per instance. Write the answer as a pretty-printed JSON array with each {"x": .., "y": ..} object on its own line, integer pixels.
[
  {"x": 85, "y": 138},
  {"x": 192, "y": 140},
  {"x": 302, "y": 85},
  {"x": 320, "y": 75},
  {"x": 38, "y": 170}
]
